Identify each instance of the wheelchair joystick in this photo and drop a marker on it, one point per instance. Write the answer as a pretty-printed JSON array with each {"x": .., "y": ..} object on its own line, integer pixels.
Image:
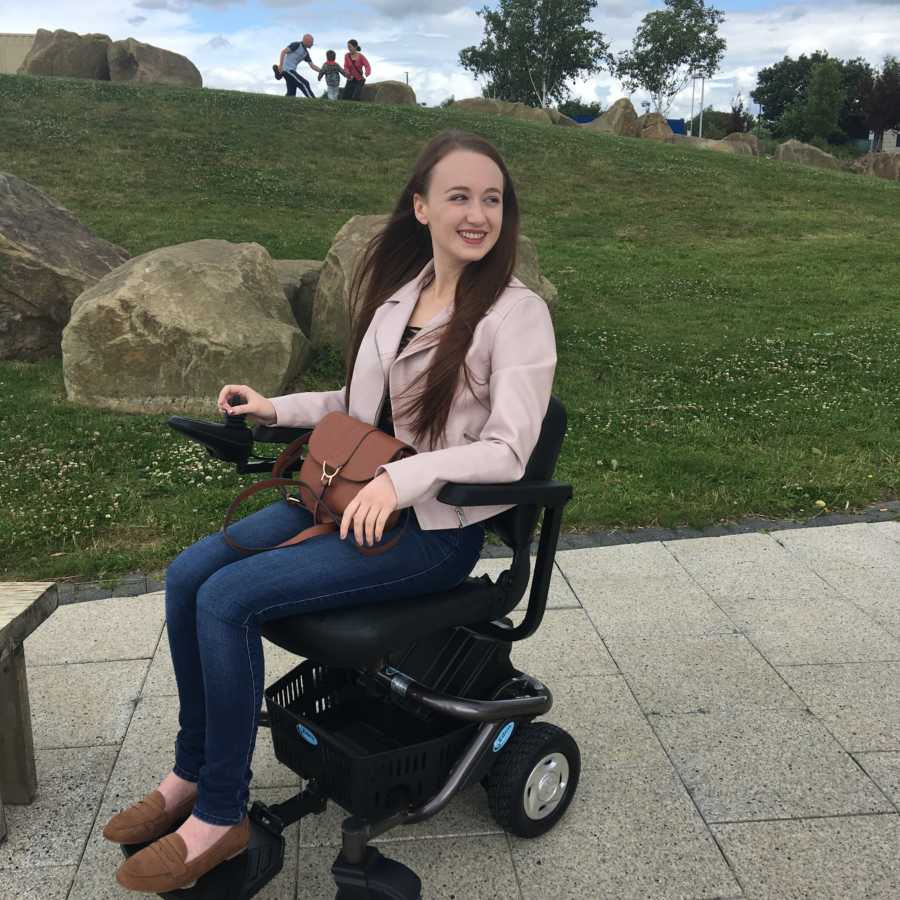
[{"x": 235, "y": 421}]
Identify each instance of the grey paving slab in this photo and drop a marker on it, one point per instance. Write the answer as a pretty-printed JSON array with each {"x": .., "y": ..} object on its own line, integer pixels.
[
  {"x": 746, "y": 565},
  {"x": 606, "y": 722},
  {"x": 889, "y": 530},
  {"x": 45, "y": 883},
  {"x": 96, "y": 879},
  {"x": 841, "y": 545},
  {"x": 84, "y": 704},
  {"x": 467, "y": 815},
  {"x": 884, "y": 769},
  {"x": 161, "y": 677},
  {"x": 567, "y": 646},
  {"x": 53, "y": 830},
  {"x": 640, "y": 589},
  {"x": 858, "y": 702},
  {"x": 472, "y": 868},
  {"x": 853, "y": 858},
  {"x": 99, "y": 630},
  {"x": 631, "y": 832},
  {"x": 826, "y": 629},
  {"x": 685, "y": 674},
  {"x": 747, "y": 764},
  {"x": 559, "y": 596}
]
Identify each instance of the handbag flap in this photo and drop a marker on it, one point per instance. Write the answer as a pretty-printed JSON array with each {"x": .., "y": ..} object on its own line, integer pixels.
[{"x": 359, "y": 448}]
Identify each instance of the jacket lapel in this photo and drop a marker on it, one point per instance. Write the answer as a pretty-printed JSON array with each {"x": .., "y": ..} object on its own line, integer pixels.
[{"x": 390, "y": 329}]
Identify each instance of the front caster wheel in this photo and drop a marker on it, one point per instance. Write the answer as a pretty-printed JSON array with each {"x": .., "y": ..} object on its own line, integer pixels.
[{"x": 534, "y": 779}]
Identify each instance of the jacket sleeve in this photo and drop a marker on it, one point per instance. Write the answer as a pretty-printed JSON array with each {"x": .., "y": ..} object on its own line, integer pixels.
[
  {"x": 367, "y": 67},
  {"x": 523, "y": 361},
  {"x": 307, "y": 409}
]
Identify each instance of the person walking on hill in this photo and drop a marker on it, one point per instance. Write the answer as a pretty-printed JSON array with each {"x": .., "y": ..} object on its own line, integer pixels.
[
  {"x": 286, "y": 67},
  {"x": 357, "y": 68},
  {"x": 332, "y": 72}
]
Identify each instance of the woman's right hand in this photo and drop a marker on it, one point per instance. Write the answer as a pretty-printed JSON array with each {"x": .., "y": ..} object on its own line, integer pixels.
[{"x": 255, "y": 406}]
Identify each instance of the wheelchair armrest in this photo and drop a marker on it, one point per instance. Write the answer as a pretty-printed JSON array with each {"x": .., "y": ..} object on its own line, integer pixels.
[
  {"x": 277, "y": 434},
  {"x": 516, "y": 493}
]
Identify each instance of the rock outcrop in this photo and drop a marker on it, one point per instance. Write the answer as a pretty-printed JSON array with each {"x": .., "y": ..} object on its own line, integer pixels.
[
  {"x": 391, "y": 92},
  {"x": 47, "y": 258},
  {"x": 806, "y": 155},
  {"x": 95, "y": 56},
  {"x": 881, "y": 165},
  {"x": 299, "y": 279},
  {"x": 744, "y": 137},
  {"x": 620, "y": 119},
  {"x": 132, "y": 60},
  {"x": 67, "y": 54},
  {"x": 514, "y": 111},
  {"x": 167, "y": 329},
  {"x": 654, "y": 127},
  {"x": 331, "y": 309},
  {"x": 736, "y": 148}
]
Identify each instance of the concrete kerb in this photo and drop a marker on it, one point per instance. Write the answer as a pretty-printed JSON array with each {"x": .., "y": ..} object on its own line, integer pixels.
[{"x": 134, "y": 584}]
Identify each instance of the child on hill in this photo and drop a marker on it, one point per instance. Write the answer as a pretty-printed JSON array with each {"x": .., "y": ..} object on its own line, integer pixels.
[{"x": 332, "y": 72}]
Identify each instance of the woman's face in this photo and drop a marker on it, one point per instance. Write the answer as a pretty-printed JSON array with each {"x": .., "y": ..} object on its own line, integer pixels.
[
  {"x": 350, "y": 47},
  {"x": 463, "y": 207}
]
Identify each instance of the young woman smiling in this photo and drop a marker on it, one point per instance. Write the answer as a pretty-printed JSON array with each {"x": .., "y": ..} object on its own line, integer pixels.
[{"x": 456, "y": 357}]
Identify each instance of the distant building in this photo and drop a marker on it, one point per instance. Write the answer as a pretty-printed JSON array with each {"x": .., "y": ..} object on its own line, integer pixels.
[
  {"x": 13, "y": 50},
  {"x": 890, "y": 144}
]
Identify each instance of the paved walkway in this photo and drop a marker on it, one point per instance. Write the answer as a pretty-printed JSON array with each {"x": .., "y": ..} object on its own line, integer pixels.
[{"x": 736, "y": 700}]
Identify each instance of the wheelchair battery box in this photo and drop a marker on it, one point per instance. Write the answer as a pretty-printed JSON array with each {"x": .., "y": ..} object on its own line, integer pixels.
[{"x": 367, "y": 754}]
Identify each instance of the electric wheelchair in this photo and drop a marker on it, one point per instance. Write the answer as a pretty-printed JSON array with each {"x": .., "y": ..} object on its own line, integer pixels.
[{"x": 398, "y": 707}]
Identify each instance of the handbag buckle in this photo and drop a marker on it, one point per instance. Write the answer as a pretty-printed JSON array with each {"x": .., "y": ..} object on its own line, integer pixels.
[{"x": 327, "y": 476}]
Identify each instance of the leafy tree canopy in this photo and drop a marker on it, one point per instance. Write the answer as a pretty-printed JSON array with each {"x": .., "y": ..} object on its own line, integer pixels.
[
  {"x": 531, "y": 49},
  {"x": 881, "y": 101},
  {"x": 670, "y": 45}
]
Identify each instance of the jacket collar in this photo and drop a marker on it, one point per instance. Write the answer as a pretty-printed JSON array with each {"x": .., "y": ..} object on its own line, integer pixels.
[{"x": 402, "y": 303}]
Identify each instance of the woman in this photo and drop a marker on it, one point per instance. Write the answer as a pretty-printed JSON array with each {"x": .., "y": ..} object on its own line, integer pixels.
[
  {"x": 456, "y": 357},
  {"x": 357, "y": 68}
]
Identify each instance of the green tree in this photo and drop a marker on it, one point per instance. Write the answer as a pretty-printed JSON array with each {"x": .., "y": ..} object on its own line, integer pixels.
[
  {"x": 669, "y": 45},
  {"x": 531, "y": 49},
  {"x": 858, "y": 75},
  {"x": 572, "y": 108},
  {"x": 824, "y": 101},
  {"x": 739, "y": 119},
  {"x": 882, "y": 101}
]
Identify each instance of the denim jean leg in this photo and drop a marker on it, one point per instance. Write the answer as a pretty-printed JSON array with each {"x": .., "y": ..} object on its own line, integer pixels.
[{"x": 184, "y": 578}]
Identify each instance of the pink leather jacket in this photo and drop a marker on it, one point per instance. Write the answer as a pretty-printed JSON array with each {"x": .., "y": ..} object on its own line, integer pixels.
[{"x": 490, "y": 434}]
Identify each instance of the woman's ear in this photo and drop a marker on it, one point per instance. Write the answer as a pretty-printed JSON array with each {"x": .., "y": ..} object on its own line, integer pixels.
[{"x": 420, "y": 209}]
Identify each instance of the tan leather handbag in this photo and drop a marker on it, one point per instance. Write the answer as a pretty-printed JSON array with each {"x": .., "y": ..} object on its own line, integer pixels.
[{"x": 342, "y": 458}]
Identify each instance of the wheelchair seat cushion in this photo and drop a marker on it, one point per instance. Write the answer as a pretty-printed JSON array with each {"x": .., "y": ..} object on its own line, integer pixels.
[{"x": 358, "y": 635}]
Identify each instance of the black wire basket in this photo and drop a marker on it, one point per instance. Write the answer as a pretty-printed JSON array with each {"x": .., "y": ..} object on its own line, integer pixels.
[{"x": 367, "y": 754}]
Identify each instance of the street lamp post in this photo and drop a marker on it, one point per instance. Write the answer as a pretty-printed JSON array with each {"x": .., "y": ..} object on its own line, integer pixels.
[
  {"x": 693, "y": 92},
  {"x": 702, "y": 94}
]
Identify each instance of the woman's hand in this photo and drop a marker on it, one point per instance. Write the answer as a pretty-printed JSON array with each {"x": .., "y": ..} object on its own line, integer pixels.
[
  {"x": 254, "y": 405},
  {"x": 369, "y": 510}
]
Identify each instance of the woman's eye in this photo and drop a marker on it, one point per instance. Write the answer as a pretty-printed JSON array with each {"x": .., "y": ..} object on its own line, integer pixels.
[{"x": 458, "y": 197}]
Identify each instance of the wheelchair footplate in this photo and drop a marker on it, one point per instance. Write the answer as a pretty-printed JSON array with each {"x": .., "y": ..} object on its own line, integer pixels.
[{"x": 239, "y": 878}]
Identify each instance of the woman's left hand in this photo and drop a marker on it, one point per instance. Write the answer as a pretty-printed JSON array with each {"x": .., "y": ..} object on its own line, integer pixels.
[{"x": 368, "y": 511}]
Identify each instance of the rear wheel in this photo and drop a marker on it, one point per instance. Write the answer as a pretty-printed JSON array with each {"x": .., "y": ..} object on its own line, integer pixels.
[{"x": 534, "y": 779}]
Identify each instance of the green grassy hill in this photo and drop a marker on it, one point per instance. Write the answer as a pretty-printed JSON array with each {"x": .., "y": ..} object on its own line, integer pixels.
[{"x": 727, "y": 327}]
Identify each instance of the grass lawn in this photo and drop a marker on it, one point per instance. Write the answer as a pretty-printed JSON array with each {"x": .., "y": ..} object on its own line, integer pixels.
[{"x": 728, "y": 328}]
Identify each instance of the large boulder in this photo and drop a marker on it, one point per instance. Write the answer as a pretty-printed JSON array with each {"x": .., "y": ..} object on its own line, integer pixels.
[
  {"x": 331, "y": 309},
  {"x": 479, "y": 104},
  {"x": 806, "y": 155},
  {"x": 395, "y": 93},
  {"x": 525, "y": 112},
  {"x": 67, "y": 54},
  {"x": 654, "y": 127},
  {"x": 620, "y": 118},
  {"x": 131, "y": 60},
  {"x": 514, "y": 111},
  {"x": 558, "y": 118},
  {"x": 881, "y": 165},
  {"x": 744, "y": 137},
  {"x": 299, "y": 279},
  {"x": 47, "y": 258},
  {"x": 167, "y": 329}
]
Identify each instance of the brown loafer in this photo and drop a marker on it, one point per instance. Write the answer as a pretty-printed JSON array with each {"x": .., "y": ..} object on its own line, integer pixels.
[
  {"x": 146, "y": 820},
  {"x": 160, "y": 867}
]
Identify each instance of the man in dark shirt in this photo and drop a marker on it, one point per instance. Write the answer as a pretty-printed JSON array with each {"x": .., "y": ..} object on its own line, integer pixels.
[{"x": 286, "y": 67}]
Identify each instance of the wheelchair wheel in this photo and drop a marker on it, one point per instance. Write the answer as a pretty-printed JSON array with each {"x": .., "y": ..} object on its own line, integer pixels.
[{"x": 534, "y": 779}]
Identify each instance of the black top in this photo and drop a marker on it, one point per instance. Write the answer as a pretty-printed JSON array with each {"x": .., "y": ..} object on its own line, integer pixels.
[{"x": 386, "y": 422}]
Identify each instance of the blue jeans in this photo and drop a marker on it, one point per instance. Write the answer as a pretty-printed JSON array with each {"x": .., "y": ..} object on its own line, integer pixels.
[{"x": 216, "y": 599}]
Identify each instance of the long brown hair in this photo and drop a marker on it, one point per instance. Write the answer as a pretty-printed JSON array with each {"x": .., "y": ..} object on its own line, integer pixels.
[{"x": 400, "y": 251}]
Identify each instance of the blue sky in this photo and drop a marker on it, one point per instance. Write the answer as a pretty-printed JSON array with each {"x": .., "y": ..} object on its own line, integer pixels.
[{"x": 234, "y": 42}]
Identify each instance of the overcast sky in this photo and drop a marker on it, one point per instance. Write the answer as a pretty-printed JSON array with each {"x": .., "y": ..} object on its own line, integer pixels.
[{"x": 235, "y": 42}]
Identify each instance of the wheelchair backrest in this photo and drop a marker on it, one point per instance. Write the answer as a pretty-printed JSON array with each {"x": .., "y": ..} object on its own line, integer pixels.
[{"x": 516, "y": 526}]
